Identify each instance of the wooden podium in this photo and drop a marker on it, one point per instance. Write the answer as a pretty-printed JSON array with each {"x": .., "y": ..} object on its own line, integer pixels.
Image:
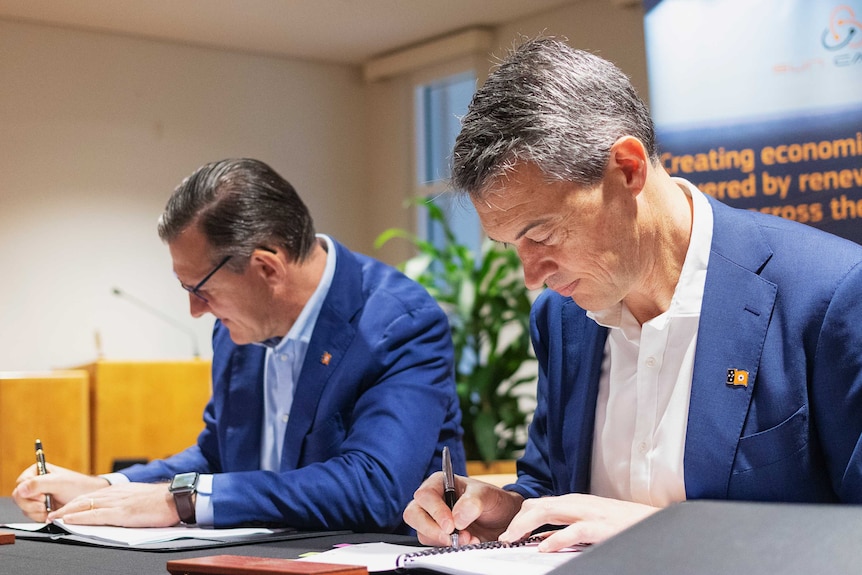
[
  {"x": 106, "y": 411},
  {"x": 145, "y": 409},
  {"x": 51, "y": 406}
]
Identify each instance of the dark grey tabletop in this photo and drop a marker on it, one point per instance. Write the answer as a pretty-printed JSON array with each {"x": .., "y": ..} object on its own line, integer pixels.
[{"x": 47, "y": 558}]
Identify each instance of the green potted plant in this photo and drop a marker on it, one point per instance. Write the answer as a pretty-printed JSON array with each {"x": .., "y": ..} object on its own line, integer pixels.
[{"x": 489, "y": 314}]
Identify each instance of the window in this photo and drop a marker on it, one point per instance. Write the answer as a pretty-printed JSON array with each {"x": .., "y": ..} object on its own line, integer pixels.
[{"x": 440, "y": 104}]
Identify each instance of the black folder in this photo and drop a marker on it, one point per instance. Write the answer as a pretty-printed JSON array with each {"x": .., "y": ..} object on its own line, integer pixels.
[{"x": 730, "y": 537}]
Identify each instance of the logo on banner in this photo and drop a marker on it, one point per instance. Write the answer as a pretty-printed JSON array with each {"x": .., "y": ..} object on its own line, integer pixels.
[{"x": 844, "y": 30}]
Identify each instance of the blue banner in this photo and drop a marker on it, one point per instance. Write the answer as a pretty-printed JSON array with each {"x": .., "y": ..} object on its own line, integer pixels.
[{"x": 759, "y": 103}]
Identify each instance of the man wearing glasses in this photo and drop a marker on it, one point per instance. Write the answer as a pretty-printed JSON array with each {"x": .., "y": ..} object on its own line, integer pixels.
[{"x": 333, "y": 391}]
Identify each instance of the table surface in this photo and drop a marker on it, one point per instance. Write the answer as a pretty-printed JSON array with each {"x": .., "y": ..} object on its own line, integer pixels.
[
  {"x": 39, "y": 557},
  {"x": 698, "y": 537}
]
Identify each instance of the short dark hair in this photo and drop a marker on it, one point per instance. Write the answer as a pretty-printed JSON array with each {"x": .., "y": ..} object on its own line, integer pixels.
[
  {"x": 240, "y": 205},
  {"x": 549, "y": 104}
]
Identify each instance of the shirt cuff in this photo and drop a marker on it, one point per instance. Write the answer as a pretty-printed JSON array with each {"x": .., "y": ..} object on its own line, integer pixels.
[
  {"x": 204, "y": 500},
  {"x": 115, "y": 478}
]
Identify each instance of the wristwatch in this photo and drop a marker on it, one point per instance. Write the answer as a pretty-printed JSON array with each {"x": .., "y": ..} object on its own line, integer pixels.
[{"x": 183, "y": 488}]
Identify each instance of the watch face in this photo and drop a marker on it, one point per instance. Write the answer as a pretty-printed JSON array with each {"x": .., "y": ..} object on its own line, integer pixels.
[{"x": 183, "y": 481}]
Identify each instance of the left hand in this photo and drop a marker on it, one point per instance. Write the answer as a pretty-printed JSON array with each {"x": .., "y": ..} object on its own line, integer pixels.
[
  {"x": 590, "y": 519},
  {"x": 122, "y": 505}
]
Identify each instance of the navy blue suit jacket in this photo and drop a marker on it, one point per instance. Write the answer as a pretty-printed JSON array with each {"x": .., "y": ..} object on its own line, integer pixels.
[
  {"x": 782, "y": 301},
  {"x": 374, "y": 405}
]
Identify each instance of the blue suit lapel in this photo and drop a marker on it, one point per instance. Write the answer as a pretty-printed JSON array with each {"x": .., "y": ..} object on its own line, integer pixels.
[
  {"x": 244, "y": 403},
  {"x": 330, "y": 340},
  {"x": 583, "y": 350},
  {"x": 737, "y": 307}
]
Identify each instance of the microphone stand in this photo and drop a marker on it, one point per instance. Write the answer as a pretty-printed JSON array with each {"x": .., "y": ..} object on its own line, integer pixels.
[{"x": 161, "y": 315}]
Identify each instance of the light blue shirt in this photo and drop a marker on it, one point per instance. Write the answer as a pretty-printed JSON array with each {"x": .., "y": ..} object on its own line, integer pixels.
[{"x": 284, "y": 359}]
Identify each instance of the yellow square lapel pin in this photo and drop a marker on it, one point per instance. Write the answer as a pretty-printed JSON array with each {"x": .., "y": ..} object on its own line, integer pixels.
[{"x": 737, "y": 377}]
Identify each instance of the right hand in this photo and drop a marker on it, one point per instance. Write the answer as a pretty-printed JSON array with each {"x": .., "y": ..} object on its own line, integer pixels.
[
  {"x": 482, "y": 512},
  {"x": 63, "y": 485}
]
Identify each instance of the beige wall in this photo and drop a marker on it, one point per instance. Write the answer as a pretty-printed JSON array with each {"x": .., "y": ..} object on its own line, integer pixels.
[
  {"x": 98, "y": 129},
  {"x": 96, "y": 132},
  {"x": 600, "y": 26}
]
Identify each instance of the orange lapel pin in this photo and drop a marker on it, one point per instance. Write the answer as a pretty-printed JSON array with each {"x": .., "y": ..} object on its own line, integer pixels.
[{"x": 738, "y": 377}]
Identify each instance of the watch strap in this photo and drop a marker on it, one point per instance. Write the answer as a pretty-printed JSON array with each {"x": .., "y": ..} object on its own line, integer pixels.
[
  {"x": 184, "y": 501},
  {"x": 183, "y": 488}
]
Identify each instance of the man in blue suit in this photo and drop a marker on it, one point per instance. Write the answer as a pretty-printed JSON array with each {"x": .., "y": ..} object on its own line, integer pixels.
[
  {"x": 686, "y": 349},
  {"x": 333, "y": 389}
]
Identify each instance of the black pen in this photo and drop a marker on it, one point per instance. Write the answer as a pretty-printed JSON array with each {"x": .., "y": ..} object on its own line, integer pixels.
[
  {"x": 449, "y": 489},
  {"x": 41, "y": 469}
]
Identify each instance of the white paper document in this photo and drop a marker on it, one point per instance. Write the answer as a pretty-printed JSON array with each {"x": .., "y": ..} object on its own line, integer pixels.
[
  {"x": 145, "y": 535},
  {"x": 467, "y": 560}
]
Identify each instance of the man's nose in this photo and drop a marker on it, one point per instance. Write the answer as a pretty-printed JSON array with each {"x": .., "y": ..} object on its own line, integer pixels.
[
  {"x": 537, "y": 268},
  {"x": 197, "y": 306}
]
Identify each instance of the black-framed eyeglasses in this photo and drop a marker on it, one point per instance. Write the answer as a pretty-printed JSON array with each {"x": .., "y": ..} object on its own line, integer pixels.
[{"x": 195, "y": 291}]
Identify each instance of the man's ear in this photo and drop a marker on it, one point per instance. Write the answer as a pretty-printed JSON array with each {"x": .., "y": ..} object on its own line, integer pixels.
[
  {"x": 270, "y": 266},
  {"x": 629, "y": 156}
]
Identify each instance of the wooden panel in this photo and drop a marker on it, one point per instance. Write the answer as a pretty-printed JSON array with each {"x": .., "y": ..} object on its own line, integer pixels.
[
  {"x": 51, "y": 406},
  {"x": 145, "y": 410},
  {"x": 494, "y": 467}
]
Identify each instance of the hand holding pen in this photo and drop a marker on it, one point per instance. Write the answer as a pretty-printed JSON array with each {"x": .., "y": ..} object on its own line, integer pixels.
[
  {"x": 42, "y": 469},
  {"x": 480, "y": 510}
]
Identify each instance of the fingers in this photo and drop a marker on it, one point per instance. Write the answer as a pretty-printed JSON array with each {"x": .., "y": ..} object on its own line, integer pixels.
[
  {"x": 34, "y": 509},
  {"x": 467, "y": 510},
  {"x": 30, "y": 498},
  {"x": 589, "y": 519},
  {"x": 27, "y": 488},
  {"x": 27, "y": 474},
  {"x": 97, "y": 508},
  {"x": 427, "y": 530},
  {"x": 124, "y": 505},
  {"x": 82, "y": 510},
  {"x": 428, "y": 513},
  {"x": 533, "y": 514}
]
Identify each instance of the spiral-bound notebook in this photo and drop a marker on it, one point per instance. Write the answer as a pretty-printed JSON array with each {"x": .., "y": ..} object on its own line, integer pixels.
[{"x": 491, "y": 558}]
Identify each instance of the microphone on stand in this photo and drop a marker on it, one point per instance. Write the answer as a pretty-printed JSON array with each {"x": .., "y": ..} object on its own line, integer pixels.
[
  {"x": 161, "y": 315},
  {"x": 97, "y": 337}
]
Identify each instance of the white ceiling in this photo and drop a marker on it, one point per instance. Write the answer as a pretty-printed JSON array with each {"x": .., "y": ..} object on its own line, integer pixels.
[{"x": 340, "y": 31}]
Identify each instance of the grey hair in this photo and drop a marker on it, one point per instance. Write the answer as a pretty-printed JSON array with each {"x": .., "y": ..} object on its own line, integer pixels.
[
  {"x": 549, "y": 104},
  {"x": 240, "y": 205}
]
